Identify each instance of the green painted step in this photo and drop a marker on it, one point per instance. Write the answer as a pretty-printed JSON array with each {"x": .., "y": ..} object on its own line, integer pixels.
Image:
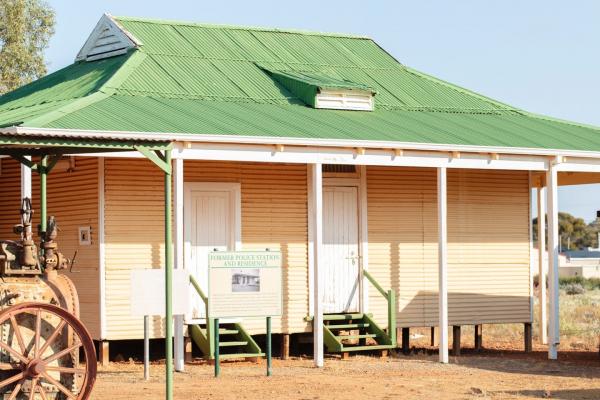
[
  {"x": 232, "y": 343},
  {"x": 232, "y": 336},
  {"x": 240, "y": 355},
  {"x": 367, "y": 348},
  {"x": 341, "y": 317},
  {"x": 365, "y": 336},
  {"x": 348, "y": 326}
]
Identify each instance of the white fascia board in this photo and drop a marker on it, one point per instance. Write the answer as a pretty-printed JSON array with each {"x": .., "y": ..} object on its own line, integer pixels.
[
  {"x": 579, "y": 165},
  {"x": 323, "y": 155},
  {"x": 240, "y": 139}
]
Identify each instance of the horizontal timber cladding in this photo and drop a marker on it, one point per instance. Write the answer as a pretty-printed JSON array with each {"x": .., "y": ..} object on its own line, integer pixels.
[
  {"x": 488, "y": 244},
  {"x": 72, "y": 191},
  {"x": 10, "y": 197},
  {"x": 274, "y": 216}
]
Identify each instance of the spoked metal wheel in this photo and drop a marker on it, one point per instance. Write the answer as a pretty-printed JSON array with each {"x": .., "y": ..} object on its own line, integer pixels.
[{"x": 40, "y": 347}]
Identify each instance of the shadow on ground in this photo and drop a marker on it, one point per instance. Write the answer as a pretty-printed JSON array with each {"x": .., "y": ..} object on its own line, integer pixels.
[{"x": 568, "y": 394}]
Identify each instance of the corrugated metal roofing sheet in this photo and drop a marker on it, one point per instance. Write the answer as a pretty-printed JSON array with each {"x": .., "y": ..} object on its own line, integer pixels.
[{"x": 198, "y": 79}]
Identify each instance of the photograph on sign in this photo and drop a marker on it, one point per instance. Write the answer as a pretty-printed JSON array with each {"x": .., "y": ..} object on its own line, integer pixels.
[
  {"x": 244, "y": 284},
  {"x": 245, "y": 280}
]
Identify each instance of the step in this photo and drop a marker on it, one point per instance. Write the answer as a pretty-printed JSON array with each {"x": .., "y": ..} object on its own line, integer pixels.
[
  {"x": 366, "y": 336},
  {"x": 240, "y": 355},
  {"x": 228, "y": 331},
  {"x": 346, "y": 348},
  {"x": 341, "y": 317},
  {"x": 348, "y": 326},
  {"x": 231, "y": 344}
]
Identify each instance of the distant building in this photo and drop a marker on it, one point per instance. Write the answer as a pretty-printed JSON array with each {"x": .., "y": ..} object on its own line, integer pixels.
[{"x": 585, "y": 263}]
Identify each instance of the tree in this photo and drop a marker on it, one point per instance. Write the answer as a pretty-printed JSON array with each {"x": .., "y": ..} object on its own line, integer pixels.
[
  {"x": 574, "y": 233},
  {"x": 25, "y": 29}
]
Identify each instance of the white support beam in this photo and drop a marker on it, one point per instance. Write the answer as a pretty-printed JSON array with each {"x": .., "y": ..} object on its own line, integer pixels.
[
  {"x": 340, "y": 155},
  {"x": 178, "y": 245},
  {"x": 443, "y": 263},
  {"x": 316, "y": 219},
  {"x": 542, "y": 264},
  {"x": 25, "y": 180},
  {"x": 553, "y": 242}
]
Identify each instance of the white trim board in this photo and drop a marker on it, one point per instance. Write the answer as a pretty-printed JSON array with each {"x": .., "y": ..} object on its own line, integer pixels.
[
  {"x": 192, "y": 138},
  {"x": 310, "y": 155}
]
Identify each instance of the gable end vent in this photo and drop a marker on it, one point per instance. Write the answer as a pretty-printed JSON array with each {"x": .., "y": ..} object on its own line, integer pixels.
[{"x": 108, "y": 39}]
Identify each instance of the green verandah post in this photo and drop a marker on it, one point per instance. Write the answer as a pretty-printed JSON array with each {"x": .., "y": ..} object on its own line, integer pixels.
[
  {"x": 269, "y": 368},
  {"x": 168, "y": 278},
  {"x": 217, "y": 360}
]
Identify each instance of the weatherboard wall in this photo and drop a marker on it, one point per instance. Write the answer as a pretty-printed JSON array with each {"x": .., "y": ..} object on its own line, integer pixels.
[
  {"x": 488, "y": 245},
  {"x": 73, "y": 201},
  {"x": 274, "y": 216}
]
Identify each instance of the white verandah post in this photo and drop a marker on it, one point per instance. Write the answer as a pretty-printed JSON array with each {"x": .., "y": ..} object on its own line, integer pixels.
[
  {"x": 541, "y": 233},
  {"x": 553, "y": 242},
  {"x": 443, "y": 264},
  {"x": 178, "y": 236},
  {"x": 25, "y": 180},
  {"x": 316, "y": 241}
]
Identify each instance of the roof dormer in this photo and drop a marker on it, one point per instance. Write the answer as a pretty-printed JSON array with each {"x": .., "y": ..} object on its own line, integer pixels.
[{"x": 322, "y": 91}]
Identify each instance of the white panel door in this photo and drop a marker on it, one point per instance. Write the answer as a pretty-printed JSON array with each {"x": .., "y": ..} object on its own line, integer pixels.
[
  {"x": 341, "y": 262},
  {"x": 209, "y": 226}
]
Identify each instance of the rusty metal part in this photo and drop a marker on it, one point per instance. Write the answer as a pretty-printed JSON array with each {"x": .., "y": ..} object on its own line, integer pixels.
[
  {"x": 39, "y": 359},
  {"x": 31, "y": 292}
]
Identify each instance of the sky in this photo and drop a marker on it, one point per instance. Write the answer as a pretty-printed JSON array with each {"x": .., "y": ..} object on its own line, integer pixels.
[{"x": 539, "y": 55}]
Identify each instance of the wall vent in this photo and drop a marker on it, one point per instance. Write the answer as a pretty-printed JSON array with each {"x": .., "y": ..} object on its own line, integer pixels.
[{"x": 339, "y": 169}]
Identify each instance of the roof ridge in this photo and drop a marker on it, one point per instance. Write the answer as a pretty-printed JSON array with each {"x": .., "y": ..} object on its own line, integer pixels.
[
  {"x": 503, "y": 106},
  {"x": 108, "y": 88},
  {"x": 240, "y": 27}
]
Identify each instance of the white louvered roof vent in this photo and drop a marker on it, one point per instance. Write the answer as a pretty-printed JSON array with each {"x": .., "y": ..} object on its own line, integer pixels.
[
  {"x": 108, "y": 39},
  {"x": 345, "y": 99}
]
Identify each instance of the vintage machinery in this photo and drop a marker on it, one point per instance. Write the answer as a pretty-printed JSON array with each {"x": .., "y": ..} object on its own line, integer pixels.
[{"x": 45, "y": 350}]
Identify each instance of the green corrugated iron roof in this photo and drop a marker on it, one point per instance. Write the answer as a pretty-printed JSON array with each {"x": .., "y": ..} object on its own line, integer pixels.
[{"x": 219, "y": 80}]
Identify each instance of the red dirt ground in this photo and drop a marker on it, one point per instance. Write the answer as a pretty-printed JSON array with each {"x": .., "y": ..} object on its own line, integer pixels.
[{"x": 492, "y": 374}]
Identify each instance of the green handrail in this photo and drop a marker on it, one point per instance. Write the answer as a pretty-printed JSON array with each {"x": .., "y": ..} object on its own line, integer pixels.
[
  {"x": 196, "y": 286},
  {"x": 390, "y": 297},
  {"x": 375, "y": 283},
  {"x": 209, "y": 321}
]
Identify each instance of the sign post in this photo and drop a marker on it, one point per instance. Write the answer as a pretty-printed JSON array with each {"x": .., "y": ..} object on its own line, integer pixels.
[
  {"x": 146, "y": 347},
  {"x": 244, "y": 284},
  {"x": 147, "y": 289},
  {"x": 269, "y": 369},
  {"x": 217, "y": 361}
]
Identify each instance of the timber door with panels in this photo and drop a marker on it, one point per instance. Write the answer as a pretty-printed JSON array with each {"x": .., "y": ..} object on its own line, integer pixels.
[
  {"x": 341, "y": 258},
  {"x": 211, "y": 223}
]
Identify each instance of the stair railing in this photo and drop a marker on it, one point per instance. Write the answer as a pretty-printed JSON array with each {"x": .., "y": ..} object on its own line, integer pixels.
[
  {"x": 390, "y": 297},
  {"x": 209, "y": 321}
]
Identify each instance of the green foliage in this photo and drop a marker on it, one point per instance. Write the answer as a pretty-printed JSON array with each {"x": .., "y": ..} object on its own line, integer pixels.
[
  {"x": 574, "y": 233},
  {"x": 586, "y": 283},
  {"x": 574, "y": 288},
  {"x": 25, "y": 29}
]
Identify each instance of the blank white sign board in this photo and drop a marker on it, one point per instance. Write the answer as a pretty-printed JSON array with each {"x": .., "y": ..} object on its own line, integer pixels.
[{"x": 148, "y": 292}]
